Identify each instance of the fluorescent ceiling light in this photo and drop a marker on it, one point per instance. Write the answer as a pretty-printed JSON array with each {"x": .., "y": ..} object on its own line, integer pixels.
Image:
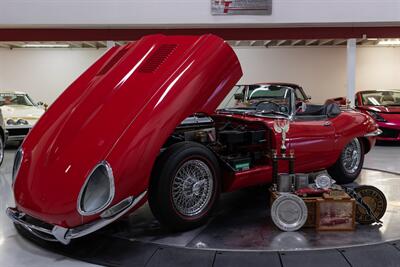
[
  {"x": 46, "y": 45},
  {"x": 389, "y": 42}
]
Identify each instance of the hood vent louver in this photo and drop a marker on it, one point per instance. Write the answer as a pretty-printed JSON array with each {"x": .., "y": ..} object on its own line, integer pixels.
[
  {"x": 157, "y": 58},
  {"x": 112, "y": 62}
]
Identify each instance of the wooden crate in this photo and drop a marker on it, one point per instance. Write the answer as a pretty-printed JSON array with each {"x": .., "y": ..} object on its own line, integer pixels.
[
  {"x": 311, "y": 203},
  {"x": 336, "y": 195}
]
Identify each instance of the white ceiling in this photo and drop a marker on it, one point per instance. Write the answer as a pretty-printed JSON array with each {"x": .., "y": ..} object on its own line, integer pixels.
[{"x": 234, "y": 43}]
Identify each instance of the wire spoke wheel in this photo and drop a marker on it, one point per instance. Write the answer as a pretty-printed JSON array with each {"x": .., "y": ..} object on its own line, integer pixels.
[
  {"x": 351, "y": 156},
  {"x": 192, "y": 187}
]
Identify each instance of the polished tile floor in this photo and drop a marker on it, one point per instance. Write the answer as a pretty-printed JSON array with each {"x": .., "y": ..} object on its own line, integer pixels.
[{"x": 16, "y": 251}]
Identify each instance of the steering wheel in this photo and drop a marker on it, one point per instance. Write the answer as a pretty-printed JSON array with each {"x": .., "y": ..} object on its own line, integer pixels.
[
  {"x": 301, "y": 106},
  {"x": 269, "y": 102},
  {"x": 279, "y": 108}
]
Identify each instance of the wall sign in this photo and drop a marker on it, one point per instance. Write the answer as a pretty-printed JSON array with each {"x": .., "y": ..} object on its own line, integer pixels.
[{"x": 241, "y": 7}]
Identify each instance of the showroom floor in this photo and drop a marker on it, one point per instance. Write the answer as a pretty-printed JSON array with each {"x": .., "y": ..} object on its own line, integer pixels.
[{"x": 16, "y": 251}]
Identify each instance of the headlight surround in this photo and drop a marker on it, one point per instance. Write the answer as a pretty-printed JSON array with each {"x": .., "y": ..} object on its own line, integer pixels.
[
  {"x": 376, "y": 116},
  {"x": 22, "y": 121},
  {"x": 17, "y": 164},
  {"x": 11, "y": 122},
  {"x": 98, "y": 190}
]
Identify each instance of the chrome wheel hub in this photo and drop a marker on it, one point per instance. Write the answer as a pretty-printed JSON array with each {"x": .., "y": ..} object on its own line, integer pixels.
[
  {"x": 192, "y": 187},
  {"x": 351, "y": 156}
]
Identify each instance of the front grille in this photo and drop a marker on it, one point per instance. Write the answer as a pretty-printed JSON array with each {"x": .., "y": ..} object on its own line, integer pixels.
[
  {"x": 16, "y": 132},
  {"x": 389, "y": 133}
]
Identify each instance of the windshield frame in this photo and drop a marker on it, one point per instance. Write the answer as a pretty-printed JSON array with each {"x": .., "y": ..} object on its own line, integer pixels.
[{"x": 253, "y": 112}]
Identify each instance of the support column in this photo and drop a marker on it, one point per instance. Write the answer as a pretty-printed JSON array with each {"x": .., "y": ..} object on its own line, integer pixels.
[
  {"x": 351, "y": 70},
  {"x": 110, "y": 44}
]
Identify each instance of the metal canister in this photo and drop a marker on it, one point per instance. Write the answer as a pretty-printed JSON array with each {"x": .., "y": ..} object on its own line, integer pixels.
[
  {"x": 301, "y": 180},
  {"x": 285, "y": 182}
]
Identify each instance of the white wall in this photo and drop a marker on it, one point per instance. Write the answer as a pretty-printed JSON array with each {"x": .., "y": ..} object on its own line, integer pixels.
[
  {"x": 378, "y": 68},
  {"x": 322, "y": 71},
  {"x": 184, "y": 13},
  {"x": 45, "y": 73}
]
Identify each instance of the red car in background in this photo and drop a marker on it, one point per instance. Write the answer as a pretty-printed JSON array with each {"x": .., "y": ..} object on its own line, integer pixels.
[
  {"x": 141, "y": 124},
  {"x": 383, "y": 106}
]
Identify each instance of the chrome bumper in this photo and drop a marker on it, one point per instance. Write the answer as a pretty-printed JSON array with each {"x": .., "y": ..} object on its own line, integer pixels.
[
  {"x": 16, "y": 137},
  {"x": 64, "y": 235},
  {"x": 374, "y": 133}
]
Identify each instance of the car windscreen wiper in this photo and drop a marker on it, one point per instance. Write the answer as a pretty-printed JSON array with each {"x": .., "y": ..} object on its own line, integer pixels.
[{"x": 266, "y": 112}]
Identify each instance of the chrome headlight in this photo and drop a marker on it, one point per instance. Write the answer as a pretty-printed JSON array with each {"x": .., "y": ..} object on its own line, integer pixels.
[
  {"x": 11, "y": 122},
  {"x": 17, "y": 164},
  {"x": 97, "y": 191},
  {"x": 22, "y": 121}
]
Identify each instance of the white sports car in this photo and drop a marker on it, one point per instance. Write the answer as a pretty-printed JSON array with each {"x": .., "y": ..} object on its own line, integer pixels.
[{"x": 20, "y": 114}]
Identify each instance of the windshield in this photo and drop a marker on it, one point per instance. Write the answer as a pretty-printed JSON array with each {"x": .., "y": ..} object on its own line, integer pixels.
[
  {"x": 267, "y": 91},
  {"x": 7, "y": 99},
  {"x": 260, "y": 99},
  {"x": 381, "y": 98}
]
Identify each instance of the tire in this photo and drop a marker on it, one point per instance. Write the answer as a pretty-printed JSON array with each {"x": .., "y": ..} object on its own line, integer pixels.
[
  {"x": 170, "y": 173},
  {"x": 349, "y": 165},
  {"x": 1, "y": 151}
]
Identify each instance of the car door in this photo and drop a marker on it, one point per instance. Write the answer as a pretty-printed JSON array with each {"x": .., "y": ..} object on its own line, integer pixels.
[{"x": 312, "y": 138}]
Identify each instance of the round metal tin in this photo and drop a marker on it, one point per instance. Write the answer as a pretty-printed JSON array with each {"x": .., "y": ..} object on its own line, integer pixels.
[
  {"x": 289, "y": 212},
  {"x": 376, "y": 201}
]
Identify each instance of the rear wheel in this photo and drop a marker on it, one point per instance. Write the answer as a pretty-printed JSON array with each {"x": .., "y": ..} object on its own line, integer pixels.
[
  {"x": 349, "y": 165},
  {"x": 185, "y": 186}
]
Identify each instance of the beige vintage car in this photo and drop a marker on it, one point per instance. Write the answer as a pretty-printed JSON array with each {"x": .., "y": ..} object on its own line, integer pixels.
[{"x": 20, "y": 114}]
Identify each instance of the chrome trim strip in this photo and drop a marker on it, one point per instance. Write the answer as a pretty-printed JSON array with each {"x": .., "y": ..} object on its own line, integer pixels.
[
  {"x": 41, "y": 236},
  {"x": 112, "y": 190},
  {"x": 117, "y": 208},
  {"x": 64, "y": 235},
  {"x": 374, "y": 133},
  {"x": 16, "y": 137}
]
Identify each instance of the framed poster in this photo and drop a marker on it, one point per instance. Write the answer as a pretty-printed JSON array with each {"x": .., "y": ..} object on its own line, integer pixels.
[
  {"x": 336, "y": 215},
  {"x": 241, "y": 7}
]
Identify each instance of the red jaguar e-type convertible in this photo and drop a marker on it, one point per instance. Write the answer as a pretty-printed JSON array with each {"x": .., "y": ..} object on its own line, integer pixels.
[
  {"x": 141, "y": 124},
  {"x": 383, "y": 106}
]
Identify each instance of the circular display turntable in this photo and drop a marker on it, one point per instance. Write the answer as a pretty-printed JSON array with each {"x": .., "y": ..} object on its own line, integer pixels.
[{"x": 241, "y": 225}]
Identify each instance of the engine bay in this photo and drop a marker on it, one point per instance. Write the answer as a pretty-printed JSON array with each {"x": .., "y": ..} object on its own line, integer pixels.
[{"x": 239, "y": 145}]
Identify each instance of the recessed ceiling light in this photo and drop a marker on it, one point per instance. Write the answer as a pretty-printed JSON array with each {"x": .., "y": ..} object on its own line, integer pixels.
[
  {"x": 46, "y": 45},
  {"x": 389, "y": 42}
]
